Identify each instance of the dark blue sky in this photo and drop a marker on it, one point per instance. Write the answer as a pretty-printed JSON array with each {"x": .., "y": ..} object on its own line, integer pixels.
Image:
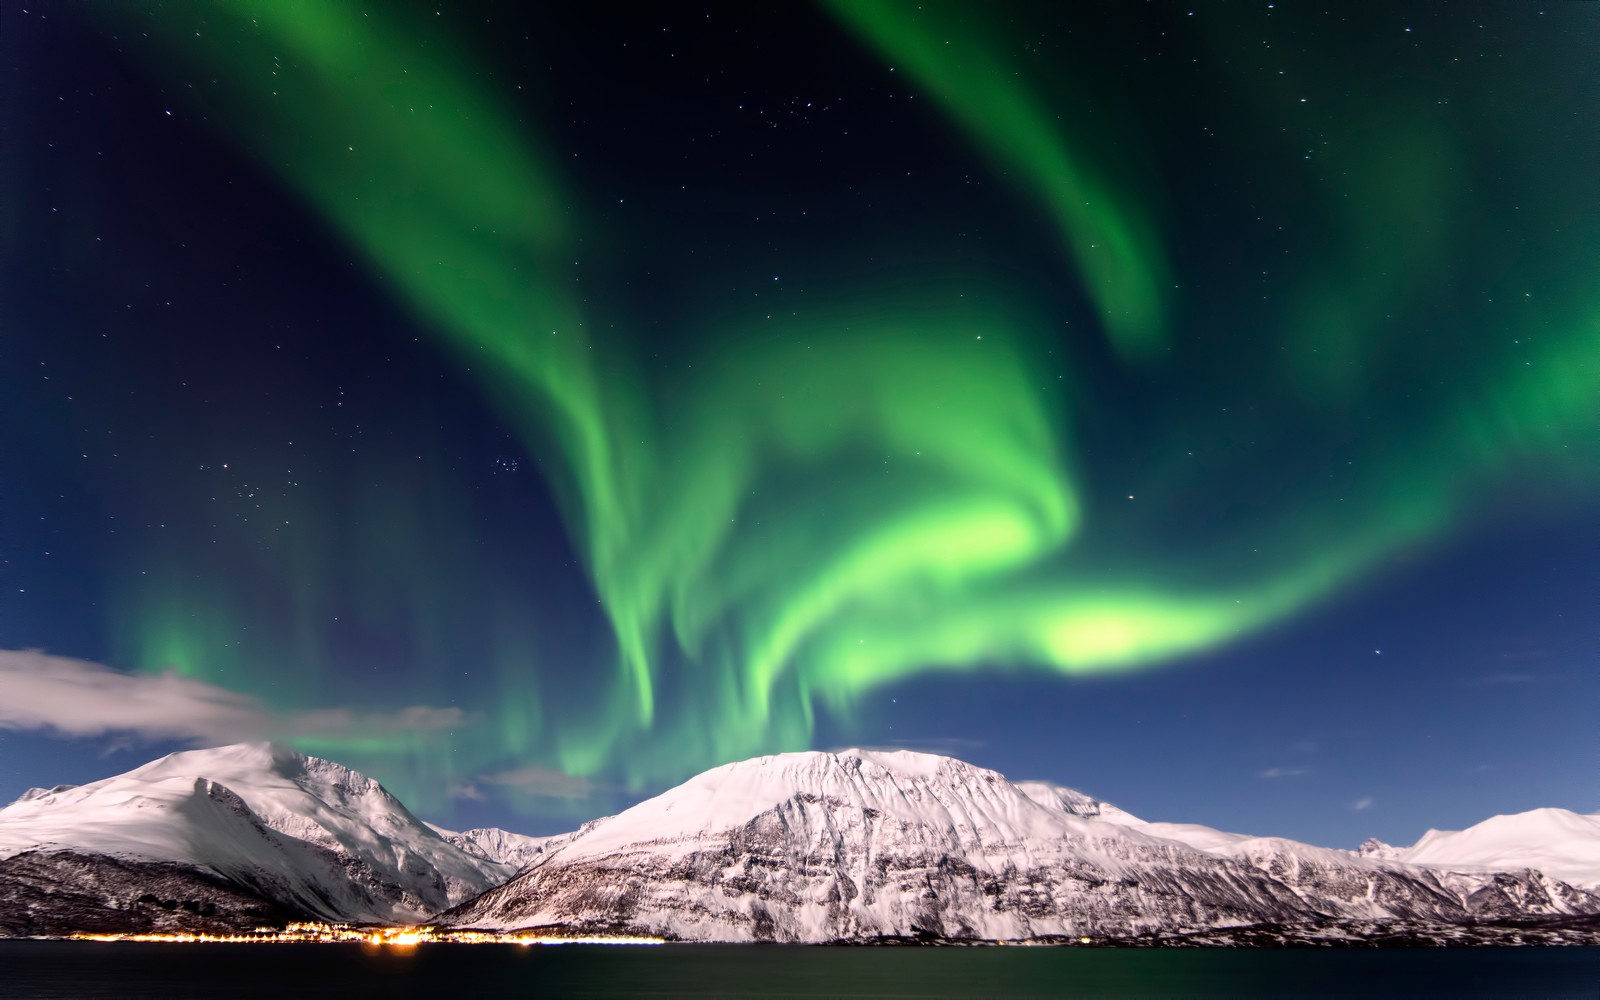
[{"x": 242, "y": 457}]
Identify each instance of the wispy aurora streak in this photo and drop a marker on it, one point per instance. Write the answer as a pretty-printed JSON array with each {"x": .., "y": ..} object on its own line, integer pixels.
[
  {"x": 838, "y": 502},
  {"x": 973, "y": 76}
]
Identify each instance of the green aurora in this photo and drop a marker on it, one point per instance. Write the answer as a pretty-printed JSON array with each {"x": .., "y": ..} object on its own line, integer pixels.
[{"x": 897, "y": 481}]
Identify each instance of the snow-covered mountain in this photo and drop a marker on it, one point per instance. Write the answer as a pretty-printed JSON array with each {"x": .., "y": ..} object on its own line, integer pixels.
[
  {"x": 849, "y": 846},
  {"x": 863, "y": 845},
  {"x": 512, "y": 850},
  {"x": 1558, "y": 842},
  {"x": 1374, "y": 848},
  {"x": 305, "y": 835},
  {"x": 1070, "y": 800}
]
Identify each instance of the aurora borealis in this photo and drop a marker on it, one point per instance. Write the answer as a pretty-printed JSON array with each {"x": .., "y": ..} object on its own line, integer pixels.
[{"x": 655, "y": 390}]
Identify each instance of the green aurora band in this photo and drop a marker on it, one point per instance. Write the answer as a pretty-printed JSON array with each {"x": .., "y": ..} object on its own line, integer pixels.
[
  {"x": 850, "y": 498},
  {"x": 967, "y": 70}
]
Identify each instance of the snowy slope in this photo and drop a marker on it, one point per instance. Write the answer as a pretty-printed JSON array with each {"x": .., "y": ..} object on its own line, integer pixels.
[
  {"x": 1072, "y": 801},
  {"x": 1558, "y": 842},
  {"x": 512, "y": 851},
  {"x": 1372, "y": 847},
  {"x": 303, "y": 832},
  {"x": 1379, "y": 880},
  {"x": 861, "y": 845},
  {"x": 1375, "y": 883}
]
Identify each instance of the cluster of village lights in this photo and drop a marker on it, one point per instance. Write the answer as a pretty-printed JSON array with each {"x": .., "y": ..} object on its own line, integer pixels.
[{"x": 386, "y": 937}]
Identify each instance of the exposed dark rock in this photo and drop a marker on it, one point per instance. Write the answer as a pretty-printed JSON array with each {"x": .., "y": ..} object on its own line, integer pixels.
[{"x": 61, "y": 893}]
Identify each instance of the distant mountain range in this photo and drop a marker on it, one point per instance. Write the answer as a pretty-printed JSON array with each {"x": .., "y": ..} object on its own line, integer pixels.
[{"x": 854, "y": 846}]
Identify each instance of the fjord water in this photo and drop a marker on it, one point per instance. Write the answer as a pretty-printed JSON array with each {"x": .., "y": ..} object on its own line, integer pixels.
[{"x": 129, "y": 971}]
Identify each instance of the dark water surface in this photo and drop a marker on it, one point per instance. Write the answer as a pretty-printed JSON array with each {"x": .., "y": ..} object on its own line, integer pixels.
[{"x": 82, "y": 969}]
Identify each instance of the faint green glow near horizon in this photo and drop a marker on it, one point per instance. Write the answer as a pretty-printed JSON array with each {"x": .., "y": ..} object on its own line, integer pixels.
[{"x": 838, "y": 503}]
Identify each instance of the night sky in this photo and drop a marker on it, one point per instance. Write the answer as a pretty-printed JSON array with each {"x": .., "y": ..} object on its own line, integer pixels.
[{"x": 535, "y": 405}]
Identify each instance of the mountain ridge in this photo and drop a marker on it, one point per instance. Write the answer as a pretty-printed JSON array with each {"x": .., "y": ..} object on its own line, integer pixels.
[
  {"x": 861, "y": 845},
  {"x": 309, "y": 836},
  {"x": 845, "y": 846}
]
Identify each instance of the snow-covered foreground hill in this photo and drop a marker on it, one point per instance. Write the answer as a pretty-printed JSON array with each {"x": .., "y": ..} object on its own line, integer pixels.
[
  {"x": 307, "y": 836},
  {"x": 862, "y": 845}
]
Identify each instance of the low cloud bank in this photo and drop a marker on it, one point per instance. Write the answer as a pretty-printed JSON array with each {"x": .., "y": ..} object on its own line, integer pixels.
[{"x": 83, "y": 699}]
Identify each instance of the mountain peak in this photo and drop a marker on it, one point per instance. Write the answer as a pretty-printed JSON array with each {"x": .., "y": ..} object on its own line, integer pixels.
[
  {"x": 910, "y": 761},
  {"x": 1374, "y": 848},
  {"x": 330, "y": 840},
  {"x": 1558, "y": 842},
  {"x": 923, "y": 766},
  {"x": 861, "y": 844},
  {"x": 39, "y": 793},
  {"x": 263, "y": 755}
]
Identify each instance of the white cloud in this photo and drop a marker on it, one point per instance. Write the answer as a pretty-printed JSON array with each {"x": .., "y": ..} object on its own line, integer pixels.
[
  {"x": 540, "y": 783},
  {"x": 1285, "y": 772},
  {"x": 78, "y": 698},
  {"x": 1362, "y": 805},
  {"x": 344, "y": 723}
]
